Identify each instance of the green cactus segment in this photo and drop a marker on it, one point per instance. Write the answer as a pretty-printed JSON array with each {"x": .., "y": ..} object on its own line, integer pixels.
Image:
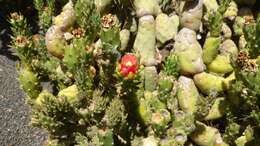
[
  {"x": 144, "y": 43},
  {"x": 71, "y": 57},
  {"x": 246, "y": 137},
  {"x": 124, "y": 38},
  {"x": 228, "y": 80},
  {"x": 210, "y": 49},
  {"x": 150, "y": 78},
  {"x": 97, "y": 136},
  {"x": 42, "y": 96},
  {"x": 115, "y": 115},
  {"x": 55, "y": 41},
  {"x": 244, "y": 14},
  {"x": 221, "y": 65},
  {"x": 190, "y": 64},
  {"x": 187, "y": 94},
  {"x": 185, "y": 45},
  {"x": 110, "y": 39},
  {"x": 241, "y": 141},
  {"x": 182, "y": 126},
  {"x": 217, "y": 110},
  {"x": 153, "y": 111},
  {"x": 29, "y": 83},
  {"x": 146, "y": 7},
  {"x": 166, "y": 27},
  {"x": 160, "y": 120},
  {"x": 165, "y": 86},
  {"x": 209, "y": 83},
  {"x": 171, "y": 66},
  {"x": 206, "y": 136},
  {"x": 70, "y": 93},
  {"x": 238, "y": 25},
  {"x": 67, "y": 17},
  {"x": 191, "y": 17},
  {"x": 229, "y": 48},
  {"x": 183, "y": 123}
]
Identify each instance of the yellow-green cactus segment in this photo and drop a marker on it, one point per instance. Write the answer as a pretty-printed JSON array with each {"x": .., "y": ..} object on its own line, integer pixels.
[
  {"x": 189, "y": 52},
  {"x": 146, "y": 7},
  {"x": 209, "y": 83},
  {"x": 150, "y": 78},
  {"x": 206, "y": 136},
  {"x": 150, "y": 141},
  {"x": 187, "y": 94},
  {"x": 229, "y": 48},
  {"x": 55, "y": 41},
  {"x": 124, "y": 38},
  {"x": 231, "y": 11},
  {"x": 67, "y": 17},
  {"x": 211, "y": 5},
  {"x": 210, "y": 49},
  {"x": 191, "y": 16},
  {"x": 190, "y": 62},
  {"x": 248, "y": 135},
  {"x": 217, "y": 110},
  {"x": 71, "y": 93},
  {"x": 29, "y": 83},
  {"x": 166, "y": 27},
  {"x": 228, "y": 80},
  {"x": 40, "y": 99},
  {"x": 148, "y": 106},
  {"x": 144, "y": 43},
  {"x": 241, "y": 141},
  {"x": 221, "y": 65}
]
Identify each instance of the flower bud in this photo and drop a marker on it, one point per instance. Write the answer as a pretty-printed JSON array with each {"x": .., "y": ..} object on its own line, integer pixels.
[{"x": 128, "y": 66}]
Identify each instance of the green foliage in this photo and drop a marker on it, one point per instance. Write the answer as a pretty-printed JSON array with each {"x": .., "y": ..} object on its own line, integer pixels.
[
  {"x": 216, "y": 19},
  {"x": 171, "y": 67},
  {"x": 115, "y": 114},
  {"x": 45, "y": 13},
  {"x": 19, "y": 25},
  {"x": 88, "y": 18},
  {"x": 110, "y": 39},
  {"x": 231, "y": 132},
  {"x": 252, "y": 36},
  {"x": 58, "y": 117},
  {"x": 166, "y": 5}
]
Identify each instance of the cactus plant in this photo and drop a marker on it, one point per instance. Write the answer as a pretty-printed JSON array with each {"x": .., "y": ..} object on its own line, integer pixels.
[{"x": 142, "y": 72}]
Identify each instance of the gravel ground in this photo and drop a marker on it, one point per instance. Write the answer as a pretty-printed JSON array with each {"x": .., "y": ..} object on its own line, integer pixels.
[{"x": 15, "y": 129}]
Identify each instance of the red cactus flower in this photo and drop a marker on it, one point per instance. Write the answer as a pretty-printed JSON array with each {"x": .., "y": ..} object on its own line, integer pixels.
[{"x": 128, "y": 66}]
